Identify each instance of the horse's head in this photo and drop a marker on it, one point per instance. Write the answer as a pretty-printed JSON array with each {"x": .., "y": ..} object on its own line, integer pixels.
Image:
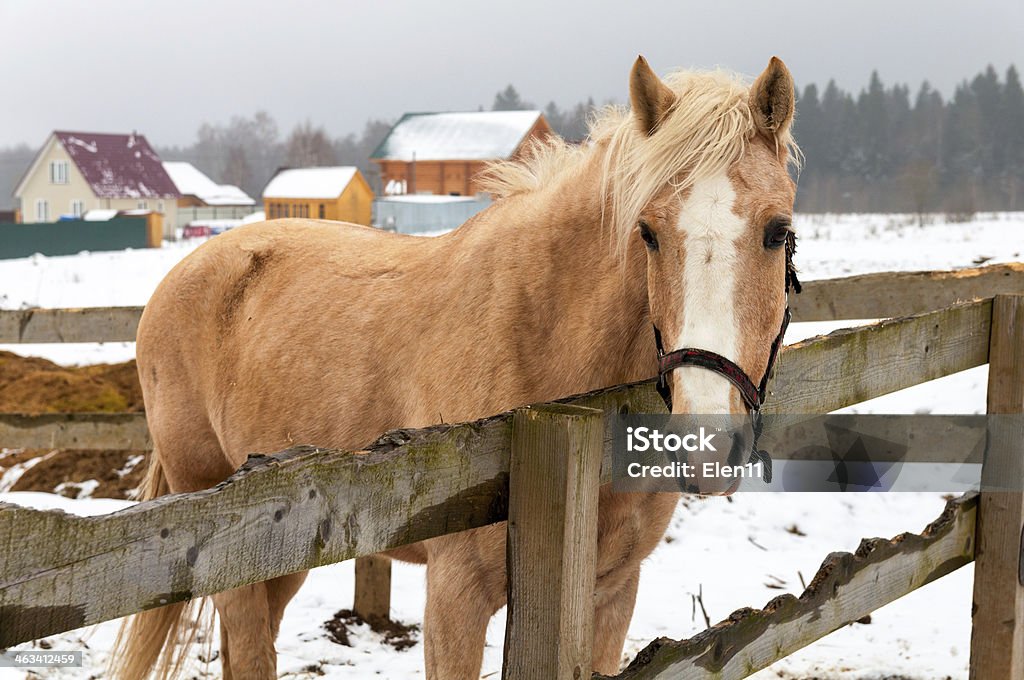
[{"x": 699, "y": 181}]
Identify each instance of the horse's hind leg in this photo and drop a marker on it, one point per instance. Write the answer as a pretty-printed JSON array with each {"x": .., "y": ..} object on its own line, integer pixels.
[
  {"x": 280, "y": 591},
  {"x": 247, "y": 644},
  {"x": 250, "y": 618}
]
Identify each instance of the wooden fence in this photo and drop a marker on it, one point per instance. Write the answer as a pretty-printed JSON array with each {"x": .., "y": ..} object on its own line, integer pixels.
[{"x": 307, "y": 507}]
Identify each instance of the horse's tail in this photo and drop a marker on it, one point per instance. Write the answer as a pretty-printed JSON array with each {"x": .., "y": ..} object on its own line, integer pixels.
[{"x": 158, "y": 639}]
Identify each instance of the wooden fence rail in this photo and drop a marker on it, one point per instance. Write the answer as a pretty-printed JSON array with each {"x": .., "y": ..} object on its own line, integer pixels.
[
  {"x": 279, "y": 514},
  {"x": 846, "y": 588},
  {"x": 88, "y": 324},
  {"x": 867, "y": 296},
  {"x": 889, "y": 294}
]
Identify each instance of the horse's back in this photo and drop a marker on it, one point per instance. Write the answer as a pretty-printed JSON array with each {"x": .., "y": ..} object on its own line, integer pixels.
[{"x": 244, "y": 330}]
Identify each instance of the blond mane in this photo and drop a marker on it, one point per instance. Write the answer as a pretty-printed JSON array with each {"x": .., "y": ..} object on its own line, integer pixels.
[{"x": 703, "y": 135}]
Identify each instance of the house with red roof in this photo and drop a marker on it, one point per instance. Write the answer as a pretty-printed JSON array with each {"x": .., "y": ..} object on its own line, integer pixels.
[{"x": 76, "y": 172}]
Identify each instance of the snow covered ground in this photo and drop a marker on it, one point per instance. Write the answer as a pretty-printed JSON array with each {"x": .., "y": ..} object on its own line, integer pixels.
[{"x": 734, "y": 552}]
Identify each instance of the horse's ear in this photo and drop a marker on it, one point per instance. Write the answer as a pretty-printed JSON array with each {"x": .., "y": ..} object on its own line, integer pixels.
[
  {"x": 651, "y": 98},
  {"x": 773, "y": 99}
]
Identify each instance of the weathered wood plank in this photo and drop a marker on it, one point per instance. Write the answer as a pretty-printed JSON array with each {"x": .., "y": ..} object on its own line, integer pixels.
[
  {"x": 890, "y": 294},
  {"x": 280, "y": 514},
  {"x": 552, "y": 542},
  {"x": 814, "y": 376},
  {"x": 823, "y": 374},
  {"x": 88, "y": 324},
  {"x": 846, "y": 588},
  {"x": 75, "y": 431},
  {"x": 997, "y": 636},
  {"x": 373, "y": 588}
]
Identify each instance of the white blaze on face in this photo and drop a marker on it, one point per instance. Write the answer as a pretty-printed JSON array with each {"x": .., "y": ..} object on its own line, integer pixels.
[{"x": 710, "y": 231}]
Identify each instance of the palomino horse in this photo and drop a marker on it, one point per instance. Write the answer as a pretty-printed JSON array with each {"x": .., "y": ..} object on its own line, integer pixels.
[{"x": 675, "y": 214}]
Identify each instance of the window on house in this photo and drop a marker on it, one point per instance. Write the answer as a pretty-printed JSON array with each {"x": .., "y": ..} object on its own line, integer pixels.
[
  {"x": 58, "y": 172},
  {"x": 323, "y": 211},
  {"x": 42, "y": 210},
  {"x": 143, "y": 205},
  {"x": 287, "y": 209},
  {"x": 77, "y": 208},
  {"x": 160, "y": 206}
]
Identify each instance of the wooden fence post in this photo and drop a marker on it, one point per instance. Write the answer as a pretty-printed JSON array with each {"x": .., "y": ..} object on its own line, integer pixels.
[
  {"x": 552, "y": 542},
  {"x": 373, "y": 588},
  {"x": 997, "y": 637}
]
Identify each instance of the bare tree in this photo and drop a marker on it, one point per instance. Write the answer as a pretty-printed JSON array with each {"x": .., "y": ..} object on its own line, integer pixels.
[
  {"x": 309, "y": 146},
  {"x": 237, "y": 170}
]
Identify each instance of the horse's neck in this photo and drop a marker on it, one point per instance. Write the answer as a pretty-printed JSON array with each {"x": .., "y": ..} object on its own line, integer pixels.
[{"x": 573, "y": 315}]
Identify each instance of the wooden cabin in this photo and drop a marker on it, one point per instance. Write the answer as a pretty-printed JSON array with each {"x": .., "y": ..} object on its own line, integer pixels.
[
  {"x": 442, "y": 153},
  {"x": 333, "y": 193}
]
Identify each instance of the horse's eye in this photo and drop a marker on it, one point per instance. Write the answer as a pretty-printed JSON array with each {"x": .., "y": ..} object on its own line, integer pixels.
[
  {"x": 775, "y": 233},
  {"x": 648, "y": 236}
]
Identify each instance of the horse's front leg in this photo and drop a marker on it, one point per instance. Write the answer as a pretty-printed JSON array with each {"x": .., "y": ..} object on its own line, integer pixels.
[
  {"x": 465, "y": 587},
  {"x": 612, "y": 615}
]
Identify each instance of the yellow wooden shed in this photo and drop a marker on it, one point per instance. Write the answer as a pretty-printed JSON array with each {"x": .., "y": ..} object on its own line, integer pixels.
[{"x": 333, "y": 193}]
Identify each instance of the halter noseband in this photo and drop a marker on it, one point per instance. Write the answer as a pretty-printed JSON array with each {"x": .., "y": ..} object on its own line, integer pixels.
[{"x": 752, "y": 395}]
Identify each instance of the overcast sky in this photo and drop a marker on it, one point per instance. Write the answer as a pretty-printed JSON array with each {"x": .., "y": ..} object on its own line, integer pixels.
[{"x": 164, "y": 67}]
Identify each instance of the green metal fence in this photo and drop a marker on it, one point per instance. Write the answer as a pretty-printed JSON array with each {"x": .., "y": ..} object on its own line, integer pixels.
[{"x": 71, "y": 236}]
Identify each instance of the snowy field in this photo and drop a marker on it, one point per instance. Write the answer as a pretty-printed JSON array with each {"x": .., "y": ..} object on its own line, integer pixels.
[{"x": 735, "y": 552}]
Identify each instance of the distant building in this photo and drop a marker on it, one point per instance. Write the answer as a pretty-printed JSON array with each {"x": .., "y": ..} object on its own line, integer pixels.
[
  {"x": 442, "y": 153},
  {"x": 199, "y": 191},
  {"x": 420, "y": 213},
  {"x": 333, "y": 193},
  {"x": 204, "y": 203},
  {"x": 75, "y": 172}
]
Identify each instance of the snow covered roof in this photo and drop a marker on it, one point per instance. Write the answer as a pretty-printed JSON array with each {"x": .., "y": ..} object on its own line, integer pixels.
[
  {"x": 473, "y": 135},
  {"x": 310, "y": 182},
  {"x": 192, "y": 182},
  {"x": 118, "y": 166}
]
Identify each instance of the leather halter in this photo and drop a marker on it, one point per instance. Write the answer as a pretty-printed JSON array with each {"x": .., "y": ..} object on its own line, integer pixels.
[{"x": 752, "y": 395}]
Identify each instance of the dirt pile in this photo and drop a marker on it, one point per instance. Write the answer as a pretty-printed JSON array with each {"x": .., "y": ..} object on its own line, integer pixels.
[
  {"x": 32, "y": 385},
  {"x": 394, "y": 633}
]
